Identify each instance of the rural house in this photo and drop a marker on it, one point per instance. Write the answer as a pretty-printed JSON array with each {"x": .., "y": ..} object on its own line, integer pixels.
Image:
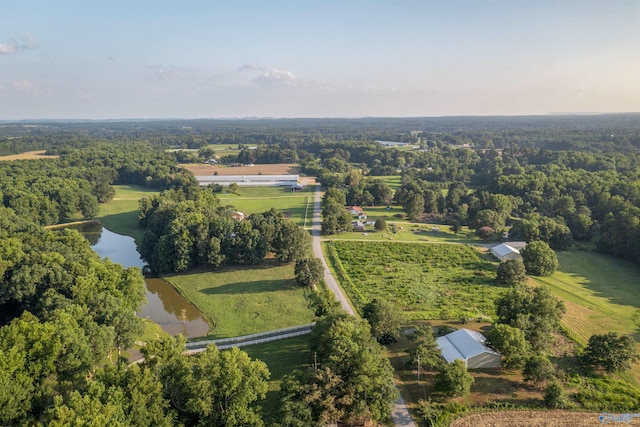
[{"x": 469, "y": 347}]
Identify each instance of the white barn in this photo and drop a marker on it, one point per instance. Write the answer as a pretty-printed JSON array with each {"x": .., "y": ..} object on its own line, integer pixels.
[
  {"x": 469, "y": 347},
  {"x": 249, "y": 180},
  {"x": 507, "y": 251}
]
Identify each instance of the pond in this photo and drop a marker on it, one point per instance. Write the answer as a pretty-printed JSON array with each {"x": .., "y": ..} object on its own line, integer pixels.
[{"x": 165, "y": 306}]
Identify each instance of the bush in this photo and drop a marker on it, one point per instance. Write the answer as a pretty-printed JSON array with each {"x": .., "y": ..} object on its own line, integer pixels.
[
  {"x": 511, "y": 272},
  {"x": 555, "y": 396},
  {"x": 454, "y": 380}
]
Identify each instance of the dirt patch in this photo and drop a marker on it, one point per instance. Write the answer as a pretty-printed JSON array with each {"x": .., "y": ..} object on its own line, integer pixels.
[
  {"x": 29, "y": 155},
  {"x": 531, "y": 419},
  {"x": 274, "y": 169}
]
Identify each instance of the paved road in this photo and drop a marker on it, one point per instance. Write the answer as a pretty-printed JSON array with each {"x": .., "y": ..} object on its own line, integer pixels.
[
  {"x": 317, "y": 251},
  {"x": 400, "y": 413}
]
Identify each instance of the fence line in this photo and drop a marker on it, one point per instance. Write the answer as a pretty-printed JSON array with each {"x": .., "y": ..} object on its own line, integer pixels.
[{"x": 305, "y": 329}]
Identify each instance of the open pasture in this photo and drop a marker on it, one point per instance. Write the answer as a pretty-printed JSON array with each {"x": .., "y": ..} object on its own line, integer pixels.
[
  {"x": 601, "y": 293},
  {"x": 120, "y": 214},
  {"x": 282, "y": 357},
  {"x": 427, "y": 281},
  {"x": 295, "y": 205},
  {"x": 393, "y": 181},
  {"x": 246, "y": 300}
]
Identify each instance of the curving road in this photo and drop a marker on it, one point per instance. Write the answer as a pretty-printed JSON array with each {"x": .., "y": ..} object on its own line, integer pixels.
[{"x": 400, "y": 413}]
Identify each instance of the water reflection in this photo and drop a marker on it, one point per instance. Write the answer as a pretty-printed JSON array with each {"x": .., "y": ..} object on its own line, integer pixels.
[{"x": 165, "y": 306}]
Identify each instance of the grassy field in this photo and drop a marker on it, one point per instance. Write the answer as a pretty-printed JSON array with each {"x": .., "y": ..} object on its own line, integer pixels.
[
  {"x": 246, "y": 300},
  {"x": 281, "y": 357},
  {"x": 601, "y": 293},
  {"x": 430, "y": 281},
  {"x": 393, "y": 181},
  {"x": 120, "y": 215},
  {"x": 259, "y": 199}
]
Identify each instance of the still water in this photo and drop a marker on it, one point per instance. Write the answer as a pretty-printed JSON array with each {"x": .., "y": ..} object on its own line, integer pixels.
[{"x": 165, "y": 306}]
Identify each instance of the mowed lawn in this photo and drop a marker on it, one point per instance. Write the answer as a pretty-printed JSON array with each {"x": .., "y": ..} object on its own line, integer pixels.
[
  {"x": 427, "y": 281},
  {"x": 246, "y": 300},
  {"x": 120, "y": 214},
  {"x": 295, "y": 205},
  {"x": 602, "y": 293},
  {"x": 282, "y": 357}
]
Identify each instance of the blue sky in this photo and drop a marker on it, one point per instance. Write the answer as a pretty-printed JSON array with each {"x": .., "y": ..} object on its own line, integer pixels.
[{"x": 308, "y": 58}]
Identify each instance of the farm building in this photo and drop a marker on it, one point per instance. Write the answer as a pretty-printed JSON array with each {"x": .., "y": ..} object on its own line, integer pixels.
[
  {"x": 249, "y": 180},
  {"x": 469, "y": 347},
  {"x": 507, "y": 251}
]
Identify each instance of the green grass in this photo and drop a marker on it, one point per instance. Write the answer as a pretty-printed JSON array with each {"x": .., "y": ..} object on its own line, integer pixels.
[
  {"x": 120, "y": 215},
  {"x": 437, "y": 281},
  {"x": 282, "y": 357},
  {"x": 601, "y": 293},
  {"x": 259, "y": 199},
  {"x": 393, "y": 181},
  {"x": 246, "y": 300},
  {"x": 406, "y": 231}
]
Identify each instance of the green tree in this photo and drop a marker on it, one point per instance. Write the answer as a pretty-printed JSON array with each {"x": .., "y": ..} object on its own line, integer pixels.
[
  {"x": 538, "y": 370},
  {"x": 611, "y": 352},
  {"x": 344, "y": 344},
  {"x": 489, "y": 218},
  {"x": 539, "y": 259},
  {"x": 555, "y": 396},
  {"x": 510, "y": 343},
  {"x": 511, "y": 272},
  {"x": 453, "y": 379},
  {"x": 226, "y": 384},
  {"x": 455, "y": 227},
  {"x": 309, "y": 271},
  {"x": 414, "y": 206},
  {"x": 425, "y": 351},
  {"x": 385, "y": 320},
  {"x": 291, "y": 243},
  {"x": 536, "y": 311},
  {"x": 233, "y": 188},
  {"x": 380, "y": 225}
]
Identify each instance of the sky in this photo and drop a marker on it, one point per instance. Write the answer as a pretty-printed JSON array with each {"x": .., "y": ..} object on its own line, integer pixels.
[{"x": 90, "y": 59}]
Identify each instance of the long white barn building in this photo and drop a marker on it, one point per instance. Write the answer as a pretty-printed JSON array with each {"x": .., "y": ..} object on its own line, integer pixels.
[{"x": 249, "y": 180}]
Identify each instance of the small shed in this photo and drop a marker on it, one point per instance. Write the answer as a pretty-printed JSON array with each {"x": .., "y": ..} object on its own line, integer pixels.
[
  {"x": 469, "y": 347},
  {"x": 506, "y": 251}
]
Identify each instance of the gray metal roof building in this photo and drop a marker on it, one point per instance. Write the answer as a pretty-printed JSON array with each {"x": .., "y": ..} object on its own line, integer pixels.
[{"x": 469, "y": 347}]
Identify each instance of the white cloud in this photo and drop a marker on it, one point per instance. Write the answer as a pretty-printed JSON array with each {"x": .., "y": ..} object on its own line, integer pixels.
[
  {"x": 29, "y": 88},
  {"x": 25, "y": 42},
  {"x": 276, "y": 77}
]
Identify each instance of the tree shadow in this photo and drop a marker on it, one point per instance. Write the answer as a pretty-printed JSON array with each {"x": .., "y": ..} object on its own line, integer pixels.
[{"x": 252, "y": 287}]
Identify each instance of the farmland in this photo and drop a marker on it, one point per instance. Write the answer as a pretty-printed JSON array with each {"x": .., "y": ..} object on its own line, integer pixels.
[
  {"x": 262, "y": 169},
  {"x": 29, "y": 155},
  {"x": 246, "y": 300},
  {"x": 429, "y": 281}
]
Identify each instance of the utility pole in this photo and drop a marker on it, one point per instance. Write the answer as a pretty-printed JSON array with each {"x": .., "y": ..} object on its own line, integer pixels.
[
  {"x": 315, "y": 361},
  {"x": 418, "y": 370}
]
